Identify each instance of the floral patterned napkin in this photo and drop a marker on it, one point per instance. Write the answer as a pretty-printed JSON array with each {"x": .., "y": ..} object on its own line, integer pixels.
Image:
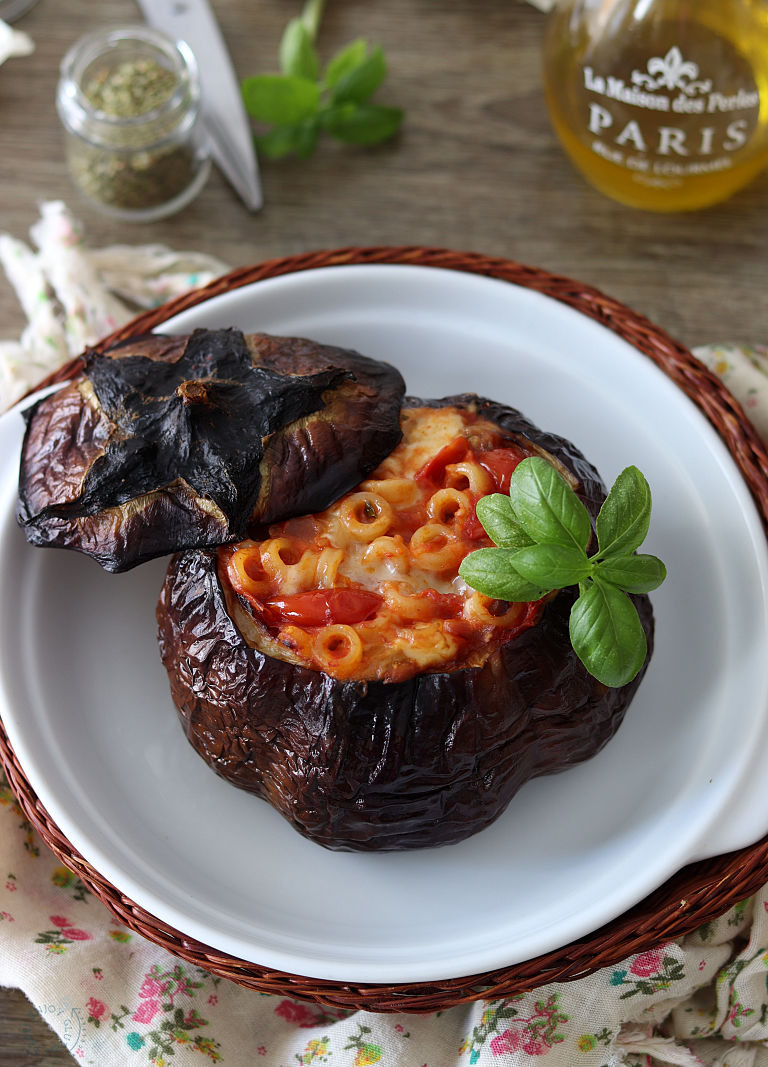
[
  {"x": 744, "y": 371},
  {"x": 116, "y": 999},
  {"x": 72, "y": 295}
]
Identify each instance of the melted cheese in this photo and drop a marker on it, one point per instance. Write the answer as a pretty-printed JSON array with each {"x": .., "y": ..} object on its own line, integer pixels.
[{"x": 401, "y": 536}]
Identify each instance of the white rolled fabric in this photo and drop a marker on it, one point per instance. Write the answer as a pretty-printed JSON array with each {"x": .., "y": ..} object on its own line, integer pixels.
[
  {"x": 14, "y": 42},
  {"x": 67, "y": 293}
]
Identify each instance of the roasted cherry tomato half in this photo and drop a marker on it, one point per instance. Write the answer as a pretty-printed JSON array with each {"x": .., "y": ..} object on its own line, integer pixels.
[{"x": 322, "y": 607}]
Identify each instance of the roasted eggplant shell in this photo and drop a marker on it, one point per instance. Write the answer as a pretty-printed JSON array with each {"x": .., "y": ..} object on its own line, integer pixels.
[
  {"x": 377, "y": 766},
  {"x": 168, "y": 443}
]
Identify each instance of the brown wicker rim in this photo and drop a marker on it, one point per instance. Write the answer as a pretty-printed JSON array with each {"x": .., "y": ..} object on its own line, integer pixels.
[{"x": 696, "y": 894}]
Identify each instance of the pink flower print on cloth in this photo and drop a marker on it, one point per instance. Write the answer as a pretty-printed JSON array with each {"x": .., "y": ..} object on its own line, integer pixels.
[
  {"x": 171, "y": 1024},
  {"x": 76, "y": 935},
  {"x": 70, "y": 931},
  {"x": 298, "y": 1014},
  {"x": 146, "y": 1011},
  {"x": 512, "y": 1040},
  {"x": 305, "y": 1017},
  {"x": 153, "y": 990},
  {"x": 56, "y": 941},
  {"x": 650, "y": 973},
  {"x": 647, "y": 964},
  {"x": 150, "y": 987},
  {"x": 509, "y": 1041},
  {"x": 535, "y": 1035},
  {"x": 97, "y": 1011}
]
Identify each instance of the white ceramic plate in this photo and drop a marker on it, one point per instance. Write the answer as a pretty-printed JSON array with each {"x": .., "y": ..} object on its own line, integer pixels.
[{"x": 86, "y": 703}]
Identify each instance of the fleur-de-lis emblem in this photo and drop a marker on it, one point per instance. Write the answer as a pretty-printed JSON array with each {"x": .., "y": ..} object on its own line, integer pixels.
[{"x": 672, "y": 72}]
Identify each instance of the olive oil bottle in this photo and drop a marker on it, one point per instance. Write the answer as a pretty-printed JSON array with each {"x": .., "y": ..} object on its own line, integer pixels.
[{"x": 661, "y": 104}]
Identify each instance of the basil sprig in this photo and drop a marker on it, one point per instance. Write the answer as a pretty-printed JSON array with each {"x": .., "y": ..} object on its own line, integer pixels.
[
  {"x": 542, "y": 531},
  {"x": 299, "y": 104}
]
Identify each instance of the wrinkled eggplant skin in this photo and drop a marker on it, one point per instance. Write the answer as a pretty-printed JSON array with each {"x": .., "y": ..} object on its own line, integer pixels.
[
  {"x": 126, "y": 463},
  {"x": 315, "y": 463},
  {"x": 377, "y": 766}
]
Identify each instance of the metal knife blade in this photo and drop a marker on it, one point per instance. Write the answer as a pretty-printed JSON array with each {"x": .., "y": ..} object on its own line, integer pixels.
[{"x": 223, "y": 114}]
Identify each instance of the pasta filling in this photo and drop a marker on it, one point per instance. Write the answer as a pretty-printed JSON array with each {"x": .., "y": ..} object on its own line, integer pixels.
[{"x": 369, "y": 589}]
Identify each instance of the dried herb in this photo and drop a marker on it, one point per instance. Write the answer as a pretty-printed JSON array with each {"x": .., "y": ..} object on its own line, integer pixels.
[
  {"x": 133, "y": 165},
  {"x": 131, "y": 89},
  {"x": 132, "y": 180}
]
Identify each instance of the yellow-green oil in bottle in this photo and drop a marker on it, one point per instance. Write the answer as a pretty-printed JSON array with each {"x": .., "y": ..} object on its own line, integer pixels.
[{"x": 661, "y": 104}]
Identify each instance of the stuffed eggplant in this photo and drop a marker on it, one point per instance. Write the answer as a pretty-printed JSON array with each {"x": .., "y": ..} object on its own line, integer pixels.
[
  {"x": 166, "y": 443},
  {"x": 336, "y": 665}
]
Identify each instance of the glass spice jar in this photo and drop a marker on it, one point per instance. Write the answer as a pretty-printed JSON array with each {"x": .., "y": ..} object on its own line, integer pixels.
[
  {"x": 661, "y": 104},
  {"x": 129, "y": 99}
]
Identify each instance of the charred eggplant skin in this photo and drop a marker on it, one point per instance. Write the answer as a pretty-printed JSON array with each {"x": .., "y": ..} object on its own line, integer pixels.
[
  {"x": 377, "y": 766},
  {"x": 168, "y": 443}
]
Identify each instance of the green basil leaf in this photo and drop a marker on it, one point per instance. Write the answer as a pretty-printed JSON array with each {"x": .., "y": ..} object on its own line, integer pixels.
[
  {"x": 634, "y": 574},
  {"x": 301, "y": 138},
  {"x": 336, "y": 116},
  {"x": 624, "y": 518},
  {"x": 552, "y": 566},
  {"x": 279, "y": 100},
  {"x": 363, "y": 124},
  {"x": 311, "y": 16},
  {"x": 279, "y": 142},
  {"x": 345, "y": 61},
  {"x": 547, "y": 507},
  {"x": 361, "y": 81},
  {"x": 606, "y": 634},
  {"x": 298, "y": 57},
  {"x": 499, "y": 522},
  {"x": 490, "y": 571},
  {"x": 309, "y": 135}
]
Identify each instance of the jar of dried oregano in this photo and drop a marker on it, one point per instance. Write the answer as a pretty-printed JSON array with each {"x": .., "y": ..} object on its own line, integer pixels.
[{"x": 129, "y": 99}]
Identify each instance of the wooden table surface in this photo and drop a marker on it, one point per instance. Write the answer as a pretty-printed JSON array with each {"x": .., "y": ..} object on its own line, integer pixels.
[{"x": 476, "y": 167}]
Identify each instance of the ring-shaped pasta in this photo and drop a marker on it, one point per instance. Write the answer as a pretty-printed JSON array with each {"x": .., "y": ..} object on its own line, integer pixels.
[
  {"x": 449, "y": 507},
  {"x": 399, "y": 491},
  {"x": 366, "y": 516},
  {"x": 407, "y": 606},
  {"x": 243, "y": 566},
  {"x": 290, "y": 577},
  {"x": 478, "y": 479},
  {"x": 477, "y": 608},
  {"x": 390, "y": 553},
  {"x": 339, "y": 648},
  {"x": 272, "y": 551},
  {"x": 327, "y": 566},
  {"x": 297, "y": 641},
  {"x": 426, "y": 644},
  {"x": 435, "y": 547}
]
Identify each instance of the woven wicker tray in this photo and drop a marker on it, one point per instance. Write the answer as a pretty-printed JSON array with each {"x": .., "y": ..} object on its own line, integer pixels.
[{"x": 696, "y": 894}]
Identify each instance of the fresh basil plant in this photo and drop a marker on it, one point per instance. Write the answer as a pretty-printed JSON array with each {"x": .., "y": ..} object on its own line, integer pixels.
[
  {"x": 300, "y": 104},
  {"x": 542, "y": 531}
]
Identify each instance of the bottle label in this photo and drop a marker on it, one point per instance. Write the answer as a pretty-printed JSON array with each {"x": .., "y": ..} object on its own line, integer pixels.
[{"x": 670, "y": 117}]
